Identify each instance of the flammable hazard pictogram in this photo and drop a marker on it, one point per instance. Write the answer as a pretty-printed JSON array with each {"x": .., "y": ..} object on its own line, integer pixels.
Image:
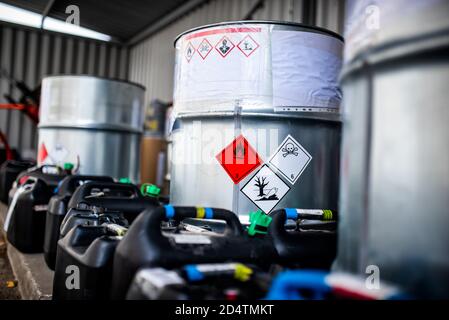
[
  {"x": 42, "y": 153},
  {"x": 248, "y": 45},
  {"x": 239, "y": 159},
  {"x": 190, "y": 51},
  {"x": 224, "y": 46},
  {"x": 204, "y": 48}
]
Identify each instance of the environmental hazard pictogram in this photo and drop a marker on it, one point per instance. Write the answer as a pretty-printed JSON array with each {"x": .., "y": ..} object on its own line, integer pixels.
[
  {"x": 224, "y": 46},
  {"x": 248, "y": 45},
  {"x": 265, "y": 189},
  {"x": 204, "y": 48},
  {"x": 190, "y": 51},
  {"x": 239, "y": 159}
]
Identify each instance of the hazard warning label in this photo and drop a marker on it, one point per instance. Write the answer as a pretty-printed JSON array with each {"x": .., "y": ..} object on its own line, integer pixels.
[
  {"x": 290, "y": 159},
  {"x": 204, "y": 48},
  {"x": 265, "y": 189},
  {"x": 190, "y": 51},
  {"x": 56, "y": 155},
  {"x": 248, "y": 45},
  {"x": 59, "y": 153},
  {"x": 224, "y": 46},
  {"x": 239, "y": 159},
  {"x": 42, "y": 153}
]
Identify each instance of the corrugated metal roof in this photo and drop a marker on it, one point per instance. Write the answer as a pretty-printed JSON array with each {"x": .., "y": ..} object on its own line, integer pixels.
[{"x": 117, "y": 18}]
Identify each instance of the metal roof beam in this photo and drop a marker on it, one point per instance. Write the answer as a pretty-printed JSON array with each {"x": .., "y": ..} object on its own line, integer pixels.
[
  {"x": 46, "y": 11},
  {"x": 165, "y": 21},
  {"x": 257, "y": 6}
]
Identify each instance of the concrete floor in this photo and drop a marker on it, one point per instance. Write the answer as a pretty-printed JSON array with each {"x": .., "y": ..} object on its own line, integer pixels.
[
  {"x": 7, "y": 277},
  {"x": 34, "y": 278}
]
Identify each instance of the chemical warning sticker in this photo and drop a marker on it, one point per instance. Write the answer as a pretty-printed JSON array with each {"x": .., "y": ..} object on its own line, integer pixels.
[
  {"x": 204, "y": 48},
  {"x": 59, "y": 153},
  {"x": 42, "y": 154},
  {"x": 248, "y": 45},
  {"x": 265, "y": 189},
  {"x": 290, "y": 159},
  {"x": 190, "y": 51},
  {"x": 224, "y": 46},
  {"x": 239, "y": 159}
]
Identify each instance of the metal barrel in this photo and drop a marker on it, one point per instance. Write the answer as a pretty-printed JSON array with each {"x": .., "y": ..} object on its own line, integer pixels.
[
  {"x": 269, "y": 82},
  {"x": 394, "y": 190},
  {"x": 94, "y": 123}
]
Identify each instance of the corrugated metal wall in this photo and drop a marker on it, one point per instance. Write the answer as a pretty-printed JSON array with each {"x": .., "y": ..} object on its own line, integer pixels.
[
  {"x": 152, "y": 60},
  {"x": 30, "y": 54}
]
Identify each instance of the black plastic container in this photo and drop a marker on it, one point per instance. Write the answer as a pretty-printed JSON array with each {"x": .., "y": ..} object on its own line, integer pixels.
[
  {"x": 223, "y": 281},
  {"x": 57, "y": 209},
  {"x": 314, "y": 246},
  {"x": 145, "y": 245},
  {"x": 43, "y": 171},
  {"x": 84, "y": 263},
  {"x": 114, "y": 196},
  {"x": 9, "y": 170},
  {"x": 27, "y": 212},
  {"x": 89, "y": 245}
]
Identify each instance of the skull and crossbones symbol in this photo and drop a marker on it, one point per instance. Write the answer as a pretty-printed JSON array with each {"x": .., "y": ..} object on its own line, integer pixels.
[{"x": 289, "y": 149}]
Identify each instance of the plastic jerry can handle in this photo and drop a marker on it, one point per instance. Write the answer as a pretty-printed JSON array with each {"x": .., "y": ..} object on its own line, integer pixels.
[{"x": 169, "y": 212}]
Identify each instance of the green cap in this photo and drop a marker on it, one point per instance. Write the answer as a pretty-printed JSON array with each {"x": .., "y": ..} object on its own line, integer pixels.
[
  {"x": 259, "y": 223},
  {"x": 124, "y": 180},
  {"x": 68, "y": 166},
  {"x": 148, "y": 189}
]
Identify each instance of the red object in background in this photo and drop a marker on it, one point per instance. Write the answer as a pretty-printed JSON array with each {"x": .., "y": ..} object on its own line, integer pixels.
[
  {"x": 31, "y": 111},
  {"x": 23, "y": 180},
  {"x": 239, "y": 159},
  {"x": 9, "y": 154},
  {"x": 42, "y": 154}
]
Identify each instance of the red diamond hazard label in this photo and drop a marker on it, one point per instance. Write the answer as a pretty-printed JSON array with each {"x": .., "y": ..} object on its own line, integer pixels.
[
  {"x": 248, "y": 45},
  {"x": 42, "y": 154},
  {"x": 224, "y": 46},
  {"x": 239, "y": 159},
  {"x": 204, "y": 48},
  {"x": 190, "y": 51}
]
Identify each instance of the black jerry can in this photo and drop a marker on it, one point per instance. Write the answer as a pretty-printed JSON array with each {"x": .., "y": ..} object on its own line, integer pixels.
[
  {"x": 114, "y": 196},
  {"x": 146, "y": 245},
  {"x": 57, "y": 209},
  {"x": 9, "y": 170},
  {"x": 303, "y": 247},
  {"x": 84, "y": 263},
  {"x": 220, "y": 281},
  {"x": 25, "y": 221},
  {"x": 45, "y": 172}
]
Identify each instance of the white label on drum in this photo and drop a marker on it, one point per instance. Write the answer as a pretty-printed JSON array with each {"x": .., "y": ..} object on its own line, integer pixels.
[
  {"x": 290, "y": 159},
  {"x": 308, "y": 85},
  {"x": 59, "y": 153}
]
